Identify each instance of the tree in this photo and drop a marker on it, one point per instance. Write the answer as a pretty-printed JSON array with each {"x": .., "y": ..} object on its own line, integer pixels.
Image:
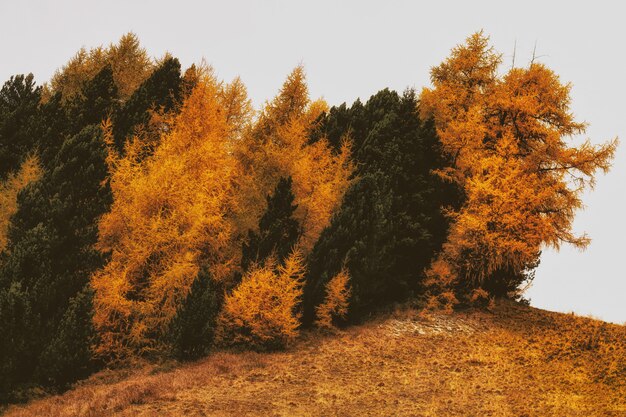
[
  {"x": 261, "y": 313},
  {"x": 278, "y": 230},
  {"x": 130, "y": 66},
  {"x": 68, "y": 357},
  {"x": 193, "y": 328},
  {"x": 15, "y": 318},
  {"x": 506, "y": 136},
  {"x": 50, "y": 256},
  {"x": 19, "y": 106},
  {"x": 98, "y": 100},
  {"x": 9, "y": 189},
  {"x": 170, "y": 216},
  {"x": 278, "y": 146},
  {"x": 335, "y": 306},
  {"x": 390, "y": 223},
  {"x": 159, "y": 94},
  {"x": 130, "y": 63}
]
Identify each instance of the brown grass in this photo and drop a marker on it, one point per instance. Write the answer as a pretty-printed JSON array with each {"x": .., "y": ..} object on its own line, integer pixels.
[{"x": 512, "y": 361}]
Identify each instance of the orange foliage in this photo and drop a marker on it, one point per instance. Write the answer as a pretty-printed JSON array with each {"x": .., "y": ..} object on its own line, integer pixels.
[
  {"x": 261, "y": 312},
  {"x": 277, "y": 146},
  {"x": 130, "y": 63},
  {"x": 335, "y": 305},
  {"x": 170, "y": 215},
  {"x": 10, "y": 188},
  {"x": 506, "y": 136}
]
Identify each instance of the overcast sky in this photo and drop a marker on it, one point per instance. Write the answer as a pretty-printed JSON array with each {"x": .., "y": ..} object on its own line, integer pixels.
[{"x": 354, "y": 48}]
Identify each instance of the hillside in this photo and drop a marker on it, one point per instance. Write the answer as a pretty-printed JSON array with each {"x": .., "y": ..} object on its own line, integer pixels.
[{"x": 511, "y": 361}]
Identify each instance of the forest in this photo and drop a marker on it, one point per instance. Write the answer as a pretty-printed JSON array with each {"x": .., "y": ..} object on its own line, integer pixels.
[{"x": 148, "y": 212}]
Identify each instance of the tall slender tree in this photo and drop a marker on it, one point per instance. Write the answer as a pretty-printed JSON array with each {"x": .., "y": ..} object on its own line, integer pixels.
[
  {"x": 161, "y": 93},
  {"x": 19, "y": 106},
  {"x": 278, "y": 146},
  {"x": 169, "y": 218},
  {"x": 278, "y": 229}
]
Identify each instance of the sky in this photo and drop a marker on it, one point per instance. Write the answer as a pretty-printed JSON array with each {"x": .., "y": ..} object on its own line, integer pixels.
[{"x": 352, "y": 49}]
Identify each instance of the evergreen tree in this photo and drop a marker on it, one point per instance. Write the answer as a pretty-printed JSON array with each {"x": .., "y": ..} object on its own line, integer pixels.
[
  {"x": 278, "y": 229},
  {"x": 19, "y": 104},
  {"x": 50, "y": 254},
  {"x": 390, "y": 224},
  {"x": 16, "y": 321},
  {"x": 98, "y": 101},
  {"x": 193, "y": 327},
  {"x": 68, "y": 355},
  {"x": 161, "y": 92}
]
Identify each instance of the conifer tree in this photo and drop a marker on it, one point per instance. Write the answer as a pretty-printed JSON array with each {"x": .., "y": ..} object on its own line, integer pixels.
[
  {"x": 278, "y": 145},
  {"x": 390, "y": 223},
  {"x": 130, "y": 65},
  {"x": 19, "y": 106},
  {"x": 50, "y": 254},
  {"x": 97, "y": 101},
  {"x": 68, "y": 356},
  {"x": 278, "y": 230},
  {"x": 160, "y": 93},
  {"x": 170, "y": 217},
  {"x": 506, "y": 136},
  {"x": 262, "y": 311},
  {"x": 193, "y": 328}
]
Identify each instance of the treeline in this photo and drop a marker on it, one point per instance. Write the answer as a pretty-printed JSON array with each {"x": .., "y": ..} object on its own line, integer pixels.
[{"x": 149, "y": 212}]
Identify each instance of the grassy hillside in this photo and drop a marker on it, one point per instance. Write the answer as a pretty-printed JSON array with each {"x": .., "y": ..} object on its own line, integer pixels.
[{"x": 511, "y": 361}]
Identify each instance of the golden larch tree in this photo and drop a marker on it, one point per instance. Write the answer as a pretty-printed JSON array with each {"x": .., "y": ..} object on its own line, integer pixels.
[
  {"x": 170, "y": 215},
  {"x": 509, "y": 139},
  {"x": 278, "y": 145},
  {"x": 336, "y": 302},
  {"x": 262, "y": 312},
  {"x": 129, "y": 62},
  {"x": 9, "y": 189}
]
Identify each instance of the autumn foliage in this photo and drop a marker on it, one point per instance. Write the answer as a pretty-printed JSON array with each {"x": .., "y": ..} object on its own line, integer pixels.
[
  {"x": 129, "y": 61},
  {"x": 170, "y": 215},
  {"x": 336, "y": 304},
  {"x": 9, "y": 189},
  {"x": 507, "y": 136},
  {"x": 262, "y": 311},
  {"x": 278, "y": 146}
]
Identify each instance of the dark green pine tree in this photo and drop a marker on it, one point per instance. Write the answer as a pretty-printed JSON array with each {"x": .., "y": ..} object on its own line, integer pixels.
[
  {"x": 193, "y": 328},
  {"x": 278, "y": 229},
  {"x": 19, "y": 106},
  {"x": 68, "y": 355},
  {"x": 45, "y": 272},
  {"x": 390, "y": 224},
  {"x": 99, "y": 99},
  {"x": 162, "y": 91}
]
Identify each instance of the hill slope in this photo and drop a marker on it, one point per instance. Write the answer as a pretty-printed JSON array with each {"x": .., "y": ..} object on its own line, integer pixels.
[{"x": 512, "y": 361}]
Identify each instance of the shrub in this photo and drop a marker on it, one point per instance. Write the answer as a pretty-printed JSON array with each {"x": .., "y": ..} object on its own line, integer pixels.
[
  {"x": 335, "y": 305},
  {"x": 261, "y": 312},
  {"x": 479, "y": 298}
]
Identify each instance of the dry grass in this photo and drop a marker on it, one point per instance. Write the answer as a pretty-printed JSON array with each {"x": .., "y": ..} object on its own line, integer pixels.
[{"x": 512, "y": 361}]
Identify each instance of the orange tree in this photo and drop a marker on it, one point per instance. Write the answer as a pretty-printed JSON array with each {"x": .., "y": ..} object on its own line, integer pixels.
[
  {"x": 170, "y": 217},
  {"x": 507, "y": 137},
  {"x": 277, "y": 146}
]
